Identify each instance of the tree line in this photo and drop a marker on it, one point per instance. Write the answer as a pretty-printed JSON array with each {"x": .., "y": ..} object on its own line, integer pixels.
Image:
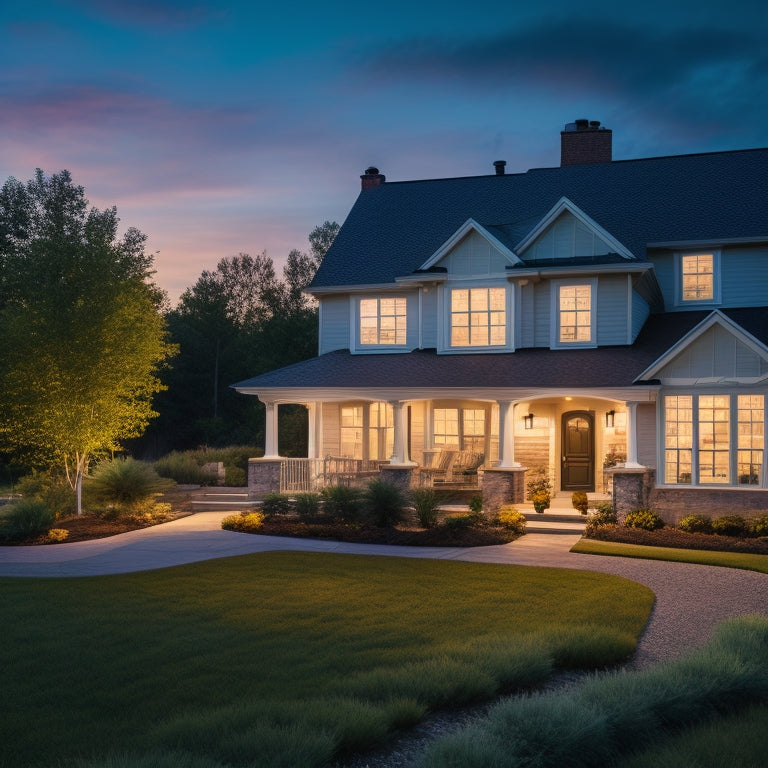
[{"x": 93, "y": 360}]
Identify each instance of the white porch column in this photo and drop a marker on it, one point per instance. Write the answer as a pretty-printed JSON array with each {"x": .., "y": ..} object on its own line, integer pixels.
[
  {"x": 631, "y": 462},
  {"x": 313, "y": 427},
  {"x": 507, "y": 434},
  {"x": 400, "y": 443},
  {"x": 270, "y": 431}
]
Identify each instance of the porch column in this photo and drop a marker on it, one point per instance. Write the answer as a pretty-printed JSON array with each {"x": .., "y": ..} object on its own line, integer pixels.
[
  {"x": 270, "y": 431},
  {"x": 631, "y": 462},
  {"x": 313, "y": 436},
  {"x": 400, "y": 444},
  {"x": 507, "y": 434}
]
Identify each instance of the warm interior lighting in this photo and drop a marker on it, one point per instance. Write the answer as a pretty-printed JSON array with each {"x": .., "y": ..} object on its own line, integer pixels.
[
  {"x": 528, "y": 421},
  {"x": 609, "y": 418}
]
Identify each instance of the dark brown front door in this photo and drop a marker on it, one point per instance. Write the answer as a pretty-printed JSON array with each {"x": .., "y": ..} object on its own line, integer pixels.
[{"x": 578, "y": 454}]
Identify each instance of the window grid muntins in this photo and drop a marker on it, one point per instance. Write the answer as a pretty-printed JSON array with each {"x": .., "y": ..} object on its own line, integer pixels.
[
  {"x": 751, "y": 438},
  {"x": 446, "y": 426},
  {"x": 474, "y": 429},
  {"x": 678, "y": 438},
  {"x": 383, "y": 321},
  {"x": 478, "y": 317},
  {"x": 575, "y": 313},
  {"x": 714, "y": 438},
  {"x": 698, "y": 277}
]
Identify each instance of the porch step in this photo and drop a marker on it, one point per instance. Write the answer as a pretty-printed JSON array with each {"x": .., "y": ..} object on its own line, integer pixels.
[{"x": 219, "y": 498}]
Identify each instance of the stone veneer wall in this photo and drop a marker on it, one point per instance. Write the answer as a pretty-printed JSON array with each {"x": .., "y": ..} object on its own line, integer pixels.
[
  {"x": 503, "y": 486},
  {"x": 263, "y": 477}
]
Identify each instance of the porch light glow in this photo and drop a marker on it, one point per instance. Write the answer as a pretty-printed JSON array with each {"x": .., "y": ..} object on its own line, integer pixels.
[
  {"x": 528, "y": 421},
  {"x": 609, "y": 418}
]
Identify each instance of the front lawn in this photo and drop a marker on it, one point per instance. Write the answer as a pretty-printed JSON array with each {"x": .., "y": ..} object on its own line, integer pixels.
[{"x": 284, "y": 659}]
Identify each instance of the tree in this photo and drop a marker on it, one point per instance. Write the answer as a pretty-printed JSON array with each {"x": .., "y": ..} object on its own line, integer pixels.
[{"x": 83, "y": 334}]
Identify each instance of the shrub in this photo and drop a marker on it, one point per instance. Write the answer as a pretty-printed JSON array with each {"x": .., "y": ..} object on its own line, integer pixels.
[
  {"x": 307, "y": 504},
  {"x": 384, "y": 502},
  {"x": 509, "y": 517},
  {"x": 245, "y": 522},
  {"x": 541, "y": 500},
  {"x": 696, "y": 524},
  {"x": 27, "y": 519},
  {"x": 646, "y": 519},
  {"x": 539, "y": 482},
  {"x": 760, "y": 526},
  {"x": 276, "y": 504},
  {"x": 54, "y": 491},
  {"x": 602, "y": 517},
  {"x": 235, "y": 476},
  {"x": 462, "y": 520},
  {"x": 426, "y": 504},
  {"x": 184, "y": 469},
  {"x": 341, "y": 502},
  {"x": 580, "y": 501},
  {"x": 476, "y": 504},
  {"x": 730, "y": 525},
  {"x": 56, "y": 535},
  {"x": 125, "y": 484}
]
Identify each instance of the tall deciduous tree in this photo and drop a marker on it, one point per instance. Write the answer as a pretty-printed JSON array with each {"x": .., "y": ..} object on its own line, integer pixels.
[{"x": 83, "y": 337}]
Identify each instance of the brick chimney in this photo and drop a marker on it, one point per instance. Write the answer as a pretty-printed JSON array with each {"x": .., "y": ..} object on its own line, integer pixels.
[
  {"x": 372, "y": 178},
  {"x": 585, "y": 142}
]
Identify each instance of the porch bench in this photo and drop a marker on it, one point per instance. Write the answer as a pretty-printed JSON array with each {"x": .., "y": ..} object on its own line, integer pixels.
[{"x": 441, "y": 468}]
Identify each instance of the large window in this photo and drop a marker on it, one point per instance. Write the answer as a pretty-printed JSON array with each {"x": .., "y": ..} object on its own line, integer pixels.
[
  {"x": 698, "y": 277},
  {"x": 383, "y": 321},
  {"x": 575, "y": 314},
  {"x": 463, "y": 428},
  {"x": 367, "y": 431},
  {"x": 714, "y": 439},
  {"x": 478, "y": 317}
]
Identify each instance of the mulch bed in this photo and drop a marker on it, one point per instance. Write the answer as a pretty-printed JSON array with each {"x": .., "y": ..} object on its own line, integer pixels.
[
  {"x": 674, "y": 537},
  {"x": 441, "y": 536}
]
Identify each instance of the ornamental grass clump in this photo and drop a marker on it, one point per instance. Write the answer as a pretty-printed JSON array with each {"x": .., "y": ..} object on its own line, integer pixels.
[
  {"x": 307, "y": 504},
  {"x": 342, "y": 503},
  {"x": 26, "y": 519},
  {"x": 277, "y": 504},
  {"x": 426, "y": 505},
  {"x": 384, "y": 503},
  {"x": 126, "y": 486}
]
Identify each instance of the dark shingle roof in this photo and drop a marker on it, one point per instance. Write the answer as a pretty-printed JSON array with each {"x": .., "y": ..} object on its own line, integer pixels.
[
  {"x": 576, "y": 368},
  {"x": 392, "y": 229}
]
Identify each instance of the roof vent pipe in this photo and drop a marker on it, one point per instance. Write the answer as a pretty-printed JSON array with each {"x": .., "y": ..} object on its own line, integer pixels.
[{"x": 500, "y": 165}]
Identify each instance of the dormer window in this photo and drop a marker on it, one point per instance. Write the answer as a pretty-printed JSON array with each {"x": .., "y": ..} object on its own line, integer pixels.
[
  {"x": 383, "y": 321},
  {"x": 478, "y": 317},
  {"x": 698, "y": 278}
]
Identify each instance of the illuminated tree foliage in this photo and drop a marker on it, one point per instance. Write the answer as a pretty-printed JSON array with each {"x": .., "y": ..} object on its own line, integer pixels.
[{"x": 83, "y": 338}]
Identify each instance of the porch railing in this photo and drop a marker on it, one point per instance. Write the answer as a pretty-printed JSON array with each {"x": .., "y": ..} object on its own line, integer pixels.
[{"x": 309, "y": 475}]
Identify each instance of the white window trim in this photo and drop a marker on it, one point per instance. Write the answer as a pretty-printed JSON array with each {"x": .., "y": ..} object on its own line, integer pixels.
[
  {"x": 716, "y": 281},
  {"x": 554, "y": 337},
  {"x": 355, "y": 345},
  {"x": 444, "y": 313},
  {"x": 732, "y": 448}
]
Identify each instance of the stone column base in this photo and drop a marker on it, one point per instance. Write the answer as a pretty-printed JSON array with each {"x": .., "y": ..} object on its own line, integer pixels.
[
  {"x": 397, "y": 474},
  {"x": 263, "y": 477},
  {"x": 631, "y": 489},
  {"x": 503, "y": 486}
]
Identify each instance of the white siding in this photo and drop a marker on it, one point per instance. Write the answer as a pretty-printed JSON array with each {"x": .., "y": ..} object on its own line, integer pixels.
[
  {"x": 565, "y": 238},
  {"x": 334, "y": 323},
  {"x": 744, "y": 276},
  {"x": 474, "y": 256},
  {"x": 640, "y": 312},
  {"x": 429, "y": 318},
  {"x": 330, "y": 444},
  {"x": 646, "y": 435},
  {"x": 541, "y": 314}
]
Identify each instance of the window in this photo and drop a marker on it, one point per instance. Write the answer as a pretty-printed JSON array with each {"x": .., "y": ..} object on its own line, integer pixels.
[
  {"x": 383, "y": 321},
  {"x": 463, "y": 428},
  {"x": 381, "y": 431},
  {"x": 367, "y": 431},
  {"x": 478, "y": 317},
  {"x": 575, "y": 314},
  {"x": 714, "y": 439},
  {"x": 698, "y": 277},
  {"x": 352, "y": 431},
  {"x": 751, "y": 439}
]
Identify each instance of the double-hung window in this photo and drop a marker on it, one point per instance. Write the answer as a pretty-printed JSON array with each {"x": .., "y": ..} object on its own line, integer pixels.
[
  {"x": 478, "y": 317},
  {"x": 383, "y": 321},
  {"x": 698, "y": 278},
  {"x": 575, "y": 316}
]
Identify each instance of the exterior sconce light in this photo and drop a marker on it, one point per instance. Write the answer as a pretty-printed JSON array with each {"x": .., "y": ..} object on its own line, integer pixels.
[
  {"x": 528, "y": 421},
  {"x": 609, "y": 418}
]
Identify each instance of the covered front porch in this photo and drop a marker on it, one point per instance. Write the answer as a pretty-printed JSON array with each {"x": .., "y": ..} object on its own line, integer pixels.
[{"x": 454, "y": 440}]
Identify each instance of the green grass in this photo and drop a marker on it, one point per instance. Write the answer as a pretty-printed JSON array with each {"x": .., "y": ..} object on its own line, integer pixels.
[
  {"x": 613, "y": 715},
  {"x": 741, "y": 560},
  {"x": 283, "y": 659}
]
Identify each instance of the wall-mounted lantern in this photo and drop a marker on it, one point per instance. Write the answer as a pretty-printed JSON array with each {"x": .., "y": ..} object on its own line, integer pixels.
[
  {"x": 609, "y": 418},
  {"x": 528, "y": 421}
]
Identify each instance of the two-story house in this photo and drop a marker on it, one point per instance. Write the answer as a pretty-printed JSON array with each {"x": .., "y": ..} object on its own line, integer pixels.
[{"x": 553, "y": 318}]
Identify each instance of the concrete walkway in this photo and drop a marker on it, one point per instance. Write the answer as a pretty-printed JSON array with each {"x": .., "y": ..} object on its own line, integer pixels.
[{"x": 690, "y": 599}]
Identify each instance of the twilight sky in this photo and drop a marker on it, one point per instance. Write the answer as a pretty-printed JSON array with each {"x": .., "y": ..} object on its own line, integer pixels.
[{"x": 219, "y": 127}]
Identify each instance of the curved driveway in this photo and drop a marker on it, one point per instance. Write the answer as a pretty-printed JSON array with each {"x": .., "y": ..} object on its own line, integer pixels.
[{"x": 690, "y": 599}]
